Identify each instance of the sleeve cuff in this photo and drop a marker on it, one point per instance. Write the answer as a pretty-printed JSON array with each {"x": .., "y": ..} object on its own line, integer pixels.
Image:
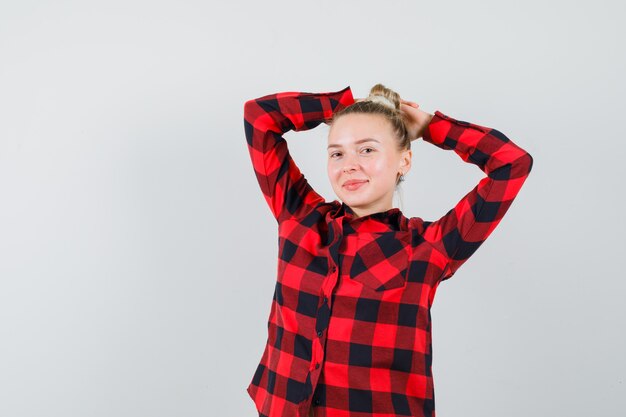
[
  {"x": 433, "y": 133},
  {"x": 341, "y": 99}
]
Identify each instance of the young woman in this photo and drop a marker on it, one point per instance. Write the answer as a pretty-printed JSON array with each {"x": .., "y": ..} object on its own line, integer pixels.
[{"x": 349, "y": 331}]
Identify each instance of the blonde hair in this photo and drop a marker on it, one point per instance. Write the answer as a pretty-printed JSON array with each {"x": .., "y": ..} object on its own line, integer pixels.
[{"x": 386, "y": 102}]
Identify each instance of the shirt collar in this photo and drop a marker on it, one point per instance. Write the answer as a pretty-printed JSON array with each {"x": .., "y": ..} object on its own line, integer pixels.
[{"x": 383, "y": 221}]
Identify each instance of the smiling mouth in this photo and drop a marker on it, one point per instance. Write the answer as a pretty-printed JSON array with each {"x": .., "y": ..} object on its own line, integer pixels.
[{"x": 353, "y": 185}]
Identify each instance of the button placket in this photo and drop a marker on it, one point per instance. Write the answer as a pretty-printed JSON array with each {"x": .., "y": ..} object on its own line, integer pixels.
[{"x": 323, "y": 314}]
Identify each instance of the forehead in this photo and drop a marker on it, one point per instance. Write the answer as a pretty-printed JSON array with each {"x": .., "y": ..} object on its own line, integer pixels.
[{"x": 356, "y": 126}]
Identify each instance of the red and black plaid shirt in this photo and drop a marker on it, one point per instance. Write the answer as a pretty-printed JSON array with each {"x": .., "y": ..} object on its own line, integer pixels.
[{"x": 349, "y": 332}]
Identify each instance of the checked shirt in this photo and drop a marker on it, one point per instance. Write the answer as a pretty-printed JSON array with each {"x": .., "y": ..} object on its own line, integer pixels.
[{"x": 349, "y": 330}]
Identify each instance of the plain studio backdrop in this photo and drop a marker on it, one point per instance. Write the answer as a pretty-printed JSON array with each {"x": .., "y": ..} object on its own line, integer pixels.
[{"x": 138, "y": 256}]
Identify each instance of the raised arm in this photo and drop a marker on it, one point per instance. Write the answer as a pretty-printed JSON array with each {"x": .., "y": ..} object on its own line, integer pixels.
[
  {"x": 266, "y": 119},
  {"x": 460, "y": 232}
]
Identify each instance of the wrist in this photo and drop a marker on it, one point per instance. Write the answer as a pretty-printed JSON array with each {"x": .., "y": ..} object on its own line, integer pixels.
[{"x": 424, "y": 119}]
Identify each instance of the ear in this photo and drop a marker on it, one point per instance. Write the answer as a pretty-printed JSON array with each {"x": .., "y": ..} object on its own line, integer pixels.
[{"x": 405, "y": 160}]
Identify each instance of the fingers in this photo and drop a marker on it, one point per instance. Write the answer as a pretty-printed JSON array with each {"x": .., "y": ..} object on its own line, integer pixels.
[{"x": 409, "y": 103}]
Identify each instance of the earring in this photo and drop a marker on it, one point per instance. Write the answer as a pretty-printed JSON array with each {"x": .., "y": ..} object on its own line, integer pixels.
[{"x": 401, "y": 177}]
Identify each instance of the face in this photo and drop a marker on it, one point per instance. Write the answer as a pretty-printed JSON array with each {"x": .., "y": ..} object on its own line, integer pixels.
[{"x": 363, "y": 148}]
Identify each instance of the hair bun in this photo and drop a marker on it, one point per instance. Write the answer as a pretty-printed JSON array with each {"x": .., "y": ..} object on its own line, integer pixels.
[
  {"x": 385, "y": 96},
  {"x": 382, "y": 100}
]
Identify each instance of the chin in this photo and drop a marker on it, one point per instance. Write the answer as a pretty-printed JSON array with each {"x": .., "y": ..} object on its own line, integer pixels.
[
  {"x": 354, "y": 199},
  {"x": 354, "y": 202}
]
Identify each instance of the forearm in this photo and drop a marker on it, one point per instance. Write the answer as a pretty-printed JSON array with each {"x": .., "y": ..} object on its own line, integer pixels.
[
  {"x": 483, "y": 146},
  {"x": 281, "y": 112}
]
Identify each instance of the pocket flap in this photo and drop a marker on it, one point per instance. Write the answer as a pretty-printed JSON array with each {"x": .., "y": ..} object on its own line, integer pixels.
[{"x": 382, "y": 260}]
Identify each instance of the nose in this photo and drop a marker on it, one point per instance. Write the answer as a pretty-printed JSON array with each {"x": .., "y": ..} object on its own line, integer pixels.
[{"x": 350, "y": 163}]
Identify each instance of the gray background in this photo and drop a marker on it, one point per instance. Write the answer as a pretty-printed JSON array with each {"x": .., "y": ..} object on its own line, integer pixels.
[{"x": 138, "y": 256}]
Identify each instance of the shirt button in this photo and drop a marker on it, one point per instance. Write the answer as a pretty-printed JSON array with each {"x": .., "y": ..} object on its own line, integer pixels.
[
  {"x": 316, "y": 401},
  {"x": 333, "y": 269},
  {"x": 317, "y": 365},
  {"x": 319, "y": 333}
]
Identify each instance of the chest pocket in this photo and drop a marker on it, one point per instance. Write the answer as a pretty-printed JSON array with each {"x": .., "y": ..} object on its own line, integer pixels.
[{"x": 382, "y": 260}]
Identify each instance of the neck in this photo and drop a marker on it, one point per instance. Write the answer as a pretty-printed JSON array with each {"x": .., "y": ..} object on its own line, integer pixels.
[{"x": 361, "y": 212}]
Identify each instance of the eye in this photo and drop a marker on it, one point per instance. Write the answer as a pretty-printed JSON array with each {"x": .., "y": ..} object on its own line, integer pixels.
[
  {"x": 371, "y": 149},
  {"x": 334, "y": 153}
]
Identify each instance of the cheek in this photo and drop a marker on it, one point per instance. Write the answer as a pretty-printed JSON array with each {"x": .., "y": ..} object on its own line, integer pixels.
[
  {"x": 382, "y": 170},
  {"x": 332, "y": 173},
  {"x": 379, "y": 166}
]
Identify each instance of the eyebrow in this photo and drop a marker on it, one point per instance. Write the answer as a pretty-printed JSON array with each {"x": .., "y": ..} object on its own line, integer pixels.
[{"x": 357, "y": 142}]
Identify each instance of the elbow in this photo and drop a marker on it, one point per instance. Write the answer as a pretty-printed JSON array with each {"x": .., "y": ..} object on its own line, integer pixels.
[
  {"x": 247, "y": 107},
  {"x": 523, "y": 165}
]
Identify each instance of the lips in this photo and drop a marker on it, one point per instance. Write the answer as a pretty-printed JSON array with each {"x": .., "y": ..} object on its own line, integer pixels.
[
  {"x": 352, "y": 182},
  {"x": 354, "y": 185}
]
